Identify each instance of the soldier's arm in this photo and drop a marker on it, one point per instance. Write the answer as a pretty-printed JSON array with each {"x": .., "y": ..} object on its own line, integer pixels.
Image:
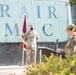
[
  {"x": 73, "y": 44},
  {"x": 63, "y": 51},
  {"x": 37, "y": 36},
  {"x": 25, "y": 37}
]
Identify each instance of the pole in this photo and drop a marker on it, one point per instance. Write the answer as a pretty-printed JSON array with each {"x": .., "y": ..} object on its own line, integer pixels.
[
  {"x": 23, "y": 55},
  {"x": 57, "y": 45},
  {"x": 34, "y": 14}
]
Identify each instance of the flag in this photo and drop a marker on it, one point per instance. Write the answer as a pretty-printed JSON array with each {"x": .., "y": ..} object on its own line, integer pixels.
[{"x": 23, "y": 31}]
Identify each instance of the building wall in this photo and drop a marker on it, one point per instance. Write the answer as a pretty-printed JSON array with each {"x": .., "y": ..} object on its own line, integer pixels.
[{"x": 11, "y": 53}]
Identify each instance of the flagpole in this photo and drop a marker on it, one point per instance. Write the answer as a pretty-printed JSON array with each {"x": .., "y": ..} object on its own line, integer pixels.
[
  {"x": 24, "y": 43},
  {"x": 23, "y": 54}
]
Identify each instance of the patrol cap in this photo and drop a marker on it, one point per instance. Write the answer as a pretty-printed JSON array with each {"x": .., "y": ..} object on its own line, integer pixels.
[
  {"x": 70, "y": 27},
  {"x": 31, "y": 26}
]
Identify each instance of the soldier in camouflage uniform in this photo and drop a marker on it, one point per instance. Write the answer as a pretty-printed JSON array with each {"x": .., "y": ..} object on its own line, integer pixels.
[
  {"x": 70, "y": 48},
  {"x": 31, "y": 37}
]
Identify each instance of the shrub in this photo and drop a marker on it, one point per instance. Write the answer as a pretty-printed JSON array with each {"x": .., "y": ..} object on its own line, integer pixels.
[{"x": 53, "y": 66}]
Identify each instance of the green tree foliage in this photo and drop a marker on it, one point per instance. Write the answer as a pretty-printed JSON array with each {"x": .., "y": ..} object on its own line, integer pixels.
[
  {"x": 72, "y": 2},
  {"x": 53, "y": 66}
]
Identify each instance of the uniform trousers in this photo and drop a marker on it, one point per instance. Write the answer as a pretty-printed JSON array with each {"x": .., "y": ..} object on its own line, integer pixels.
[{"x": 30, "y": 56}]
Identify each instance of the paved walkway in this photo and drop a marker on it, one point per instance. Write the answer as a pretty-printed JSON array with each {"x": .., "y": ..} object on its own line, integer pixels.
[{"x": 12, "y": 70}]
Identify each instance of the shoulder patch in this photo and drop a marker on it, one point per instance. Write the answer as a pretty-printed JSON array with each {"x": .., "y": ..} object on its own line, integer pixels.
[{"x": 73, "y": 42}]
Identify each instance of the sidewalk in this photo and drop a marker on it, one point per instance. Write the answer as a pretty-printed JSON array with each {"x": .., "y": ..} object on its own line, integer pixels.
[{"x": 12, "y": 70}]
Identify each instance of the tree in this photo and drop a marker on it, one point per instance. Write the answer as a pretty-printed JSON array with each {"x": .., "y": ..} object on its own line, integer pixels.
[{"x": 72, "y": 2}]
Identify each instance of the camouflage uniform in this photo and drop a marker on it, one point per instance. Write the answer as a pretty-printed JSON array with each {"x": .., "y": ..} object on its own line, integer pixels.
[
  {"x": 70, "y": 48},
  {"x": 31, "y": 37}
]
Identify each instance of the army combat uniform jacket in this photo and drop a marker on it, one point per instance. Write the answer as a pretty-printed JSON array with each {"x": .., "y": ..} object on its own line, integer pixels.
[
  {"x": 31, "y": 37},
  {"x": 70, "y": 48}
]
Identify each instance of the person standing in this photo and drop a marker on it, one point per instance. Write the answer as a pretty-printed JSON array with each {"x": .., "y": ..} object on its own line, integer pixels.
[
  {"x": 31, "y": 37},
  {"x": 70, "y": 48}
]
